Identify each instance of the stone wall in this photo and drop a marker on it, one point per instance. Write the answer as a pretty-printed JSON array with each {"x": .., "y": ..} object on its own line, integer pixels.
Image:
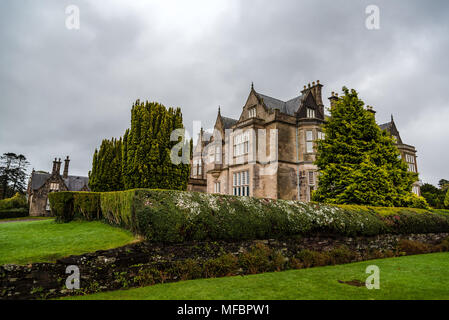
[{"x": 145, "y": 263}]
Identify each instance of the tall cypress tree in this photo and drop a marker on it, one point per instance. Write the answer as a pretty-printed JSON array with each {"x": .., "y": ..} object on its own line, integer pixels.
[
  {"x": 358, "y": 162},
  {"x": 106, "y": 173},
  {"x": 147, "y": 147}
]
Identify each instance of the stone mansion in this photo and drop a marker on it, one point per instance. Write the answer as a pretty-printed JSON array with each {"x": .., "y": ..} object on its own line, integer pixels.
[{"x": 269, "y": 151}]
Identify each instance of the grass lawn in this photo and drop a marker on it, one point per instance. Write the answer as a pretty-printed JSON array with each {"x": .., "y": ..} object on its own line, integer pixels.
[
  {"x": 23, "y": 242},
  {"x": 411, "y": 277}
]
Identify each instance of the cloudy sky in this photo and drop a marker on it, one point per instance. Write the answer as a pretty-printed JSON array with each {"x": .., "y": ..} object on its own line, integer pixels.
[{"x": 62, "y": 90}]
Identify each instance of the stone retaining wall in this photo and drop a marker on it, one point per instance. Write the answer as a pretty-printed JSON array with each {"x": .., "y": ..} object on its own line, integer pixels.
[{"x": 146, "y": 263}]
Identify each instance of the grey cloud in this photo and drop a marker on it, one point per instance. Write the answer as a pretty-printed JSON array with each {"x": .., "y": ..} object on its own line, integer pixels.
[{"x": 62, "y": 91}]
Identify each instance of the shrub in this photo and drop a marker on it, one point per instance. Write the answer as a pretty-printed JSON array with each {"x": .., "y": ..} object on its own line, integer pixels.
[
  {"x": 256, "y": 260},
  {"x": 311, "y": 258},
  {"x": 412, "y": 247},
  {"x": 61, "y": 205},
  {"x": 342, "y": 255},
  {"x": 13, "y": 213},
  {"x": 67, "y": 206},
  {"x": 187, "y": 269},
  {"x": 18, "y": 201},
  {"x": 86, "y": 205},
  {"x": 117, "y": 209},
  {"x": 176, "y": 216},
  {"x": 224, "y": 265}
]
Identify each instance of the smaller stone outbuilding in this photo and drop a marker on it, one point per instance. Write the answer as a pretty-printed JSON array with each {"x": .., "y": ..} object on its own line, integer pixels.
[{"x": 41, "y": 183}]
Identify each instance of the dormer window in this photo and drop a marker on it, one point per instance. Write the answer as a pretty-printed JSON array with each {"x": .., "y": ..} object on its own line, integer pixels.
[
  {"x": 310, "y": 113},
  {"x": 252, "y": 112}
]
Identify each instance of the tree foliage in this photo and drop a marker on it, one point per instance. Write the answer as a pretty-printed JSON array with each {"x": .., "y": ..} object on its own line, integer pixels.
[
  {"x": 446, "y": 200},
  {"x": 435, "y": 196},
  {"x": 12, "y": 174},
  {"x": 358, "y": 162},
  {"x": 142, "y": 158},
  {"x": 106, "y": 174}
]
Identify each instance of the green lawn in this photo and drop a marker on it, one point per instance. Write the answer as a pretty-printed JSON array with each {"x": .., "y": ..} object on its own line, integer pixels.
[
  {"x": 23, "y": 242},
  {"x": 411, "y": 277}
]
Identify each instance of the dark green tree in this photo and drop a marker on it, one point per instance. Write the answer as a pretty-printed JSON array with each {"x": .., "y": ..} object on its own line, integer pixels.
[
  {"x": 147, "y": 148},
  {"x": 106, "y": 173},
  {"x": 435, "y": 196},
  {"x": 446, "y": 200},
  {"x": 358, "y": 162},
  {"x": 12, "y": 174},
  {"x": 443, "y": 184}
]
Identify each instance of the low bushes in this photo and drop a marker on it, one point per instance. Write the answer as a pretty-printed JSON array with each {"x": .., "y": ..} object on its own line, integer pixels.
[
  {"x": 14, "y": 207},
  {"x": 14, "y": 213},
  {"x": 176, "y": 216}
]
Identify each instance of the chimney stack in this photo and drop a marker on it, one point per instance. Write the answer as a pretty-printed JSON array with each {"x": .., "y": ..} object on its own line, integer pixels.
[
  {"x": 58, "y": 166},
  {"x": 333, "y": 98},
  {"x": 53, "y": 171},
  {"x": 66, "y": 168}
]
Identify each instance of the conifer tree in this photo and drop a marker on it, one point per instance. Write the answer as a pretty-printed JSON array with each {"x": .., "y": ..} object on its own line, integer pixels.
[
  {"x": 147, "y": 147},
  {"x": 446, "y": 200},
  {"x": 106, "y": 173},
  {"x": 358, "y": 162}
]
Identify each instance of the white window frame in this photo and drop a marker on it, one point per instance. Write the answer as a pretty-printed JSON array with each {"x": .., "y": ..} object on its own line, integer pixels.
[
  {"x": 240, "y": 183},
  {"x": 217, "y": 187},
  {"x": 309, "y": 141},
  {"x": 54, "y": 186},
  {"x": 252, "y": 112},
  {"x": 311, "y": 178},
  {"x": 241, "y": 144},
  {"x": 217, "y": 154},
  {"x": 310, "y": 112}
]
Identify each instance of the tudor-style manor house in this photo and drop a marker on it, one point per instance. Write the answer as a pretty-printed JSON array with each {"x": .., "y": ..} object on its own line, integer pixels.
[
  {"x": 270, "y": 150},
  {"x": 42, "y": 183}
]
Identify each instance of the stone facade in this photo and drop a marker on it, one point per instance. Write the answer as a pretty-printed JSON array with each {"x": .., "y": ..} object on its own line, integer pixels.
[
  {"x": 41, "y": 183},
  {"x": 269, "y": 151}
]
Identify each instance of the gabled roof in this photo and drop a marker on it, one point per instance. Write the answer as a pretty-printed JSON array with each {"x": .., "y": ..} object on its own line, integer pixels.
[
  {"x": 76, "y": 183},
  {"x": 38, "y": 179},
  {"x": 228, "y": 122},
  {"x": 289, "y": 107},
  {"x": 73, "y": 183},
  {"x": 385, "y": 126}
]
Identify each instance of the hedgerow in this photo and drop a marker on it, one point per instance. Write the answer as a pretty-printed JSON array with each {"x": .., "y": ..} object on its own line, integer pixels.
[
  {"x": 67, "y": 206},
  {"x": 14, "y": 207},
  {"x": 177, "y": 216}
]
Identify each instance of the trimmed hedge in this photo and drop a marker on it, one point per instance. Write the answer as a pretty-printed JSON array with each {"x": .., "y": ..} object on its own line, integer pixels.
[
  {"x": 176, "y": 216},
  {"x": 14, "y": 207},
  {"x": 14, "y": 213},
  {"x": 67, "y": 206}
]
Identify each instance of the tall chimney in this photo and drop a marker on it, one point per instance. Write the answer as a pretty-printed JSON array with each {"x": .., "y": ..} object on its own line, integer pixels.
[
  {"x": 333, "y": 98},
  {"x": 58, "y": 166},
  {"x": 66, "y": 168},
  {"x": 53, "y": 171}
]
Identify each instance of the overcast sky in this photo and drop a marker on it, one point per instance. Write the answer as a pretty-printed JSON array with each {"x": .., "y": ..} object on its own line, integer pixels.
[{"x": 62, "y": 91}]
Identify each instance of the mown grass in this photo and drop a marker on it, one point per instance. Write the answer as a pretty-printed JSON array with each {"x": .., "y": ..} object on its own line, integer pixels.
[
  {"x": 410, "y": 277},
  {"x": 24, "y": 242}
]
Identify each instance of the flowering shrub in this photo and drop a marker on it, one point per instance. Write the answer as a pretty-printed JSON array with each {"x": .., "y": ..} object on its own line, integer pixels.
[{"x": 177, "y": 216}]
